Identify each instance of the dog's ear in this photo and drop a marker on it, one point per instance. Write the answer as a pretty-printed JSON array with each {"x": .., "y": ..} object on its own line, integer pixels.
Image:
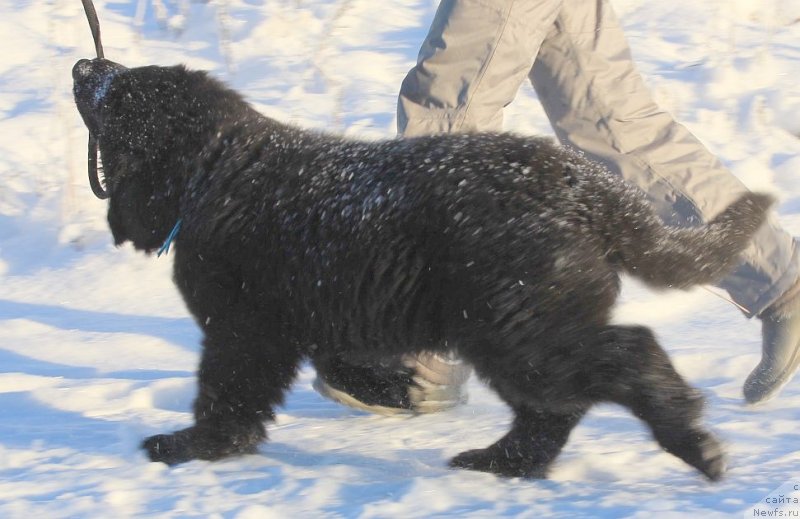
[
  {"x": 147, "y": 147},
  {"x": 161, "y": 126},
  {"x": 123, "y": 216},
  {"x": 142, "y": 211}
]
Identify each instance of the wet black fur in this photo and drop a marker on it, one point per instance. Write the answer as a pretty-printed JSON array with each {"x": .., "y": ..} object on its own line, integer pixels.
[{"x": 299, "y": 244}]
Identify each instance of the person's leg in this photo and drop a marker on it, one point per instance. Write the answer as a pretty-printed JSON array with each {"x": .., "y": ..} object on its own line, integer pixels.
[
  {"x": 597, "y": 102},
  {"x": 471, "y": 64}
]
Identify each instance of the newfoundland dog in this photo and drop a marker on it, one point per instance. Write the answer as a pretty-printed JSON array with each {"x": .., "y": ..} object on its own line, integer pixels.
[{"x": 293, "y": 244}]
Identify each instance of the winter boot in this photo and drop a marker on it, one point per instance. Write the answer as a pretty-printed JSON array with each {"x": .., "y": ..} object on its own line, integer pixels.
[
  {"x": 780, "y": 358},
  {"x": 425, "y": 383}
]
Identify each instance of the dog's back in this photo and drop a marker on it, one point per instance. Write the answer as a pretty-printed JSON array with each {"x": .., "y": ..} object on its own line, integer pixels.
[
  {"x": 486, "y": 227},
  {"x": 526, "y": 188}
]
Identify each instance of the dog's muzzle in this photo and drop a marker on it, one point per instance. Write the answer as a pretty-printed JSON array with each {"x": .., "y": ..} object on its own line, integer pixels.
[{"x": 91, "y": 82}]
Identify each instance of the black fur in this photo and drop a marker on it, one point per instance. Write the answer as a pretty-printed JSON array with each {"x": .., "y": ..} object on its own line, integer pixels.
[{"x": 298, "y": 244}]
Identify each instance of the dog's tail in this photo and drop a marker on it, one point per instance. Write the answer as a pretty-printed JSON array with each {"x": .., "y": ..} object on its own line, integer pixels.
[{"x": 665, "y": 256}]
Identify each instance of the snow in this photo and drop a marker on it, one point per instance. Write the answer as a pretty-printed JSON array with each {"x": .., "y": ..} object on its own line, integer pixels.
[{"x": 97, "y": 351}]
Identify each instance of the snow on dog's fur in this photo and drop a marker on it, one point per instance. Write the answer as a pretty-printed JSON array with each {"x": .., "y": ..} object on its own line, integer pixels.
[{"x": 298, "y": 244}]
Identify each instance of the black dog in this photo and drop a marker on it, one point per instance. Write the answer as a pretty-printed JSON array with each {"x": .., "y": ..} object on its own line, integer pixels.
[{"x": 297, "y": 244}]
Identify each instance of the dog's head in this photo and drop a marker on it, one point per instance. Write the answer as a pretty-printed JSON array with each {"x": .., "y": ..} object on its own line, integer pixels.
[{"x": 153, "y": 126}]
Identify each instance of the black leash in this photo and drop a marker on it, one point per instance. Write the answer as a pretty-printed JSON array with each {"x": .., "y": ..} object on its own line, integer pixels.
[
  {"x": 94, "y": 25},
  {"x": 94, "y": 151}
]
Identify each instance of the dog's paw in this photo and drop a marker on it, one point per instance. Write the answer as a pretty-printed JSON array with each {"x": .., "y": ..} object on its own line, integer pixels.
[
  {"x": 203, "y": 443},
  {"x": 170, "y": 448},
  {"x": 715, "y": 467},
  {"x": 711, "y": 459},
  {"x": 494, "y": 462},
  {"x": 701, "y": 450}
]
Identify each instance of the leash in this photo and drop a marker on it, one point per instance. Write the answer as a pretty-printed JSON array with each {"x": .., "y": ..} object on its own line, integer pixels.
[
  {"x": 94, "y": 149},
  {"x": 94, "y": 26},
  {"x": 731, "y": 301}
]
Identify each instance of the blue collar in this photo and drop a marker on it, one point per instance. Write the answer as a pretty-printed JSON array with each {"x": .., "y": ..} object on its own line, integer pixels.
[{"x": 174, "y": 232}]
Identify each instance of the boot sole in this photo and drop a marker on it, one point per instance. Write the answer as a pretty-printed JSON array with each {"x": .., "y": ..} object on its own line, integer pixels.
[{"x": 341, "y": 397}]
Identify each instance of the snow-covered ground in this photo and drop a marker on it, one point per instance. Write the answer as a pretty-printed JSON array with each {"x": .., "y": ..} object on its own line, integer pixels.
[{"x": 97, "y": 351}]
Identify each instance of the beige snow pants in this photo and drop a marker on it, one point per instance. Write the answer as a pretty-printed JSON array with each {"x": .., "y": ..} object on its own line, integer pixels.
[{"x": 476, "y": 56}]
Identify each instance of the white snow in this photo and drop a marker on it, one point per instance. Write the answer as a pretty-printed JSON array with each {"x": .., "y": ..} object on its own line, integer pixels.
[{"x": 97, "y": 351}]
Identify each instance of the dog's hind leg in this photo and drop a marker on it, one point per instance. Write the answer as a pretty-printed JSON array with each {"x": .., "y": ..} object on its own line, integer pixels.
[
  {"x": 544, "y": 413},
  {"x": 528, "y": 449},
  {"x": 628, "y": 366},
  {"x": 566, "y": 375}
]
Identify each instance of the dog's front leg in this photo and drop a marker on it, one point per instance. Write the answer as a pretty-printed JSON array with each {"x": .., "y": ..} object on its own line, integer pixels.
[
  {"x": 238, "y": 390},
  {"x": 246, "y": 368}
]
